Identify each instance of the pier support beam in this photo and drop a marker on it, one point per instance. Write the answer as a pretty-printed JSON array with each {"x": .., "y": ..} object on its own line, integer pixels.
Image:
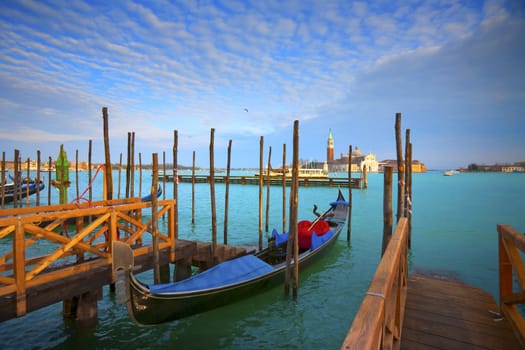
[{"x": 83, "y": 308}]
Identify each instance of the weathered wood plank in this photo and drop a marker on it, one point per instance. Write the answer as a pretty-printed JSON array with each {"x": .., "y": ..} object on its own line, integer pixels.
[{"x": 448, "y": 314}]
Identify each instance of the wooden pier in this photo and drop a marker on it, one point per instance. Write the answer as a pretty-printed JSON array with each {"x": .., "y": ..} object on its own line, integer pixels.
[
  {"x": 447, "y": 314},
  {"x": 78, "y": 259},
  {"x": 425, "y": 312},
  {"x": 276, "y": 180}
]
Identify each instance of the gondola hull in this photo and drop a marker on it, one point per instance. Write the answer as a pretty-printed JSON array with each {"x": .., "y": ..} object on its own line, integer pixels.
[{"x": 147, "y": 307}]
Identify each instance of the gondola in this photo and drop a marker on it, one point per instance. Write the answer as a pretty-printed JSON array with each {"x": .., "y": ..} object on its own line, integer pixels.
[
  {"x": 147, "y": 198},
  {"x": 26, "y": 188},
  {"x": 231, "y": 280}
]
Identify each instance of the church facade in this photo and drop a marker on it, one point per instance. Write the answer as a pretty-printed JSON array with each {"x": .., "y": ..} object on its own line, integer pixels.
[{"x": 360, "y": 162}]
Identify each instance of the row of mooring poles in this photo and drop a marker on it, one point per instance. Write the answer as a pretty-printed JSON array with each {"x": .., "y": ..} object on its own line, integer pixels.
[
  {"x": 61, "y": 179},
  {"x": 404, "y": 186}
]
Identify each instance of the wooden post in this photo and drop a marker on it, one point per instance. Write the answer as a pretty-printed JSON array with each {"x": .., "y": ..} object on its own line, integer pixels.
[
  {"x": 119, "y": 176},
  {"x": 227, "y": 193},
  {"x": 16, "y": 174},
  {"x": 193, "y": 190},
  {"x": 132, "y": 166},
  {"x": 28, "y": 163},
  {"x": 212, "y": 194},
  {"x": 261, "y": 144},
  {"x": 140, "y": 174},
  {"x": 284, "y": 187},
  {"x": 400, "y": 170},
  {"x": 108, "y": 172},
  {"x": 38, "y": 165},
  {"x": 164, "y": 175},
  {"x": 19, "y": 263},
  {"x": 2, "y": 188},
  {"x": 349, "y": 223},
  {"x": 49, "y": 181},
  {"x": 294, "y": 208},
  {"x": 176, "y": 182},
  {"x": 90, "y": 191},
  {"x": 154, "y": 218},
  {"x": 76, "y": 174},
  {"x": 128, "y": 170},
  {"x": 268, "y": 188},
  {"x": 387, "y": 208},
  {"x": 408, "y": 185},
  {"x": 292, "y": 247}
]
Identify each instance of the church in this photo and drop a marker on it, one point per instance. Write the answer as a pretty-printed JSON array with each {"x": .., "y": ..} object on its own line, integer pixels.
[{"x": 359, "y": 161}]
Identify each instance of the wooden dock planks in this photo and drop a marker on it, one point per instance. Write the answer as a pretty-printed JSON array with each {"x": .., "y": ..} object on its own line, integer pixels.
[{"x": 448, "y": 314}]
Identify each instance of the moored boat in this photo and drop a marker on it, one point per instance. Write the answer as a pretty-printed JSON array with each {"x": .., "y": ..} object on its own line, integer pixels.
[
  {"x": 26, "y": 187},
  {"x": 231, "y": 280}
]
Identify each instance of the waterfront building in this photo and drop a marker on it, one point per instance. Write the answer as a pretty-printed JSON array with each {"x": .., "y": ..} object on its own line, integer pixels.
[
  {"x": 417, "y": 166},
  {"x": 359, "y": 161}
]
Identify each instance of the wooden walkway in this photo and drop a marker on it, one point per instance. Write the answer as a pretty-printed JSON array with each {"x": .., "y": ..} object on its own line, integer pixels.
[{"x": 448, "y": 314}]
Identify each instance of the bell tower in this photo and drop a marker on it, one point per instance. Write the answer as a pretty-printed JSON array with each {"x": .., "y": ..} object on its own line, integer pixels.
[{"x": 330, "y": 148}]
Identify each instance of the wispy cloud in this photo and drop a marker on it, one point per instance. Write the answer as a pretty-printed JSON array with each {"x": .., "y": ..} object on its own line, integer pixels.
[{"x": 190, "y": 66}]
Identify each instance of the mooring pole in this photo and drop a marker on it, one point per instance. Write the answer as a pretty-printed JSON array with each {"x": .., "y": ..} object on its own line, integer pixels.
[
  {"x": 90, "y": 191},
  {"x": 49, "y": 181},
  {"x": 227, "y": 193},
  {"x": 387, "y": 208},
  {"x": 268, "y": 189},
  {"x": 154, "y": 218},
  {"x": 295, "y": 206},
  {"x": 176, "y": 182},
  {"x": 108, "y": 173},
  {"x": 38, "y": 165},
  {"x": 212, "y": 194},
  {"x": 2, "y": 188},
  {"x": 193, "y": 190},
  {"x": 284, "y": 187},
  {"x": 261, "y": 144},
  {"x": 119, "y": 176},
  {"x": 400, "y": 170},
  {"x": 349, "y": 224}
]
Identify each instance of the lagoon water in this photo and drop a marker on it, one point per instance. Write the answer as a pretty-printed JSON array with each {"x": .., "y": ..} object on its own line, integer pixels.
[{"x": 453, "y": 233}]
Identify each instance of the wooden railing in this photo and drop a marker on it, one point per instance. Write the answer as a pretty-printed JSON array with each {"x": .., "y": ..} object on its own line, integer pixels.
[
  {"x": 93, "y": 227},
  {"x": 379, "y": 320},
  {"x": 511, "y": 265}
]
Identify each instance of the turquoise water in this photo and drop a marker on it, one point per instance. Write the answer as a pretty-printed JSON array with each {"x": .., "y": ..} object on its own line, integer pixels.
[{"x": 453, "y": 233}]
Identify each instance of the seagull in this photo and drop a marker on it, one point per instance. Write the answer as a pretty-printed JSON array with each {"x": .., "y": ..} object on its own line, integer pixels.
[{"x": 246, "y": 109}]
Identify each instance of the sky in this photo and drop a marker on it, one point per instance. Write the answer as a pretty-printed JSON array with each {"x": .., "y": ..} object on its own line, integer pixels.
[{"x": 455, "y": 70}]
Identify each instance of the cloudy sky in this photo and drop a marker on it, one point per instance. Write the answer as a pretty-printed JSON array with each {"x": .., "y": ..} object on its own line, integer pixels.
[{"x": 454, "y": 69}]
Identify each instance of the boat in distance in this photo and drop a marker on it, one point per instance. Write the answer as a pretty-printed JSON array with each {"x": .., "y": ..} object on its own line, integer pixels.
[
  {"x": 302, "y": 173},
  {"x": 231, "y": 280},
  {"x": 22, "y": 189}
]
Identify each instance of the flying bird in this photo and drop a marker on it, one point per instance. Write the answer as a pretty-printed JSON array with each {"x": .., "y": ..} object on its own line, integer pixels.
[{"x": 246, "y": 109}]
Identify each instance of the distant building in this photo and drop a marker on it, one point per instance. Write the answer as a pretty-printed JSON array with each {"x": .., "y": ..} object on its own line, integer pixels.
[
  {"x": 359, "y": 162},
  {"x": 417, "y": 166},
  {"x": 330, "y": 148}
]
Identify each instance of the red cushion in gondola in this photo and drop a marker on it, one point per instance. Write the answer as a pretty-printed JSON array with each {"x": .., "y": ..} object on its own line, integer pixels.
[
  {"x": 321, "y": 227},
  {"x": 305, "y": 235}
]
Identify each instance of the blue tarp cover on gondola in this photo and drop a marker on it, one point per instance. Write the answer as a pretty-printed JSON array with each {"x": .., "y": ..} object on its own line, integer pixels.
[
  {"x": 228, "y": 272},
  {"x": 280, "y": 238},
  {"x": 317, "y": 241}
]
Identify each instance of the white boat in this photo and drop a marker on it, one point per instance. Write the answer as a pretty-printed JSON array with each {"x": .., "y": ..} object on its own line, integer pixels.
[{"x": 303, "y": 173}]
